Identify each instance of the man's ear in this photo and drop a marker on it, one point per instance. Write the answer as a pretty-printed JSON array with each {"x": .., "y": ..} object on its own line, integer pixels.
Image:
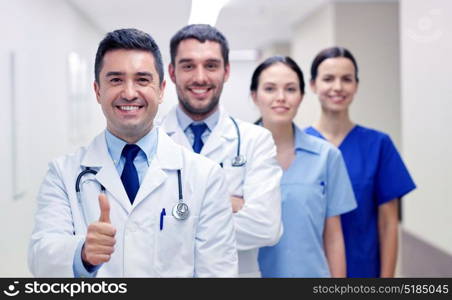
[
  {"x": 171, "y": 72},
  {"x": 97, "y": 90},
  {"x": 162, "y": 91},
  {"x": 227, "y": 70}
]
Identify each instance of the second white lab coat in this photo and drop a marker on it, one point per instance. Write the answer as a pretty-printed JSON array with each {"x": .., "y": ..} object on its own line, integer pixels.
[
  {"x": 202, "y": 246},
  {"x": 258, "y": 223}
]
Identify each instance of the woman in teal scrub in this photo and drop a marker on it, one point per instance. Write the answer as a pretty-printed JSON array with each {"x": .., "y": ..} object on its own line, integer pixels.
[
  {"x": 378, "y": 174},
  {"x": 315, "y": 186}
]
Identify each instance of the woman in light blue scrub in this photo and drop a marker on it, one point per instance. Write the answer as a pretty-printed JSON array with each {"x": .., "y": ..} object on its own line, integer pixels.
[
  {"x": 377, "y": 172},
  {"x": 315, "y": 186}
]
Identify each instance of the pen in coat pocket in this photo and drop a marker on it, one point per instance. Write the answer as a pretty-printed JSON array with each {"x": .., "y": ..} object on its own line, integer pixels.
[
  {"x": 322, "y": 183},
  {"x": 162, "y": 214}
]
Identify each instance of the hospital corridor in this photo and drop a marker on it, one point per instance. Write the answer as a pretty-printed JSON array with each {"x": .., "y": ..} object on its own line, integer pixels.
[{"x": 402, "y": 47}]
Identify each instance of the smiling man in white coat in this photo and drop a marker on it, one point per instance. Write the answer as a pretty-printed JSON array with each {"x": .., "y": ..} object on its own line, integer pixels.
[
  {"x": 247, "y": 153},
  {"x": 132, "y": 203}
]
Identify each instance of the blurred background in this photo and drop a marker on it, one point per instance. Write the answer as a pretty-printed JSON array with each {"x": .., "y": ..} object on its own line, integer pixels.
[{"x": 403, "y": 49}]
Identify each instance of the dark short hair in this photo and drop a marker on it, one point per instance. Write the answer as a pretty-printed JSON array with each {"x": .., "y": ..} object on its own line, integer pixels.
[
  {"x": 332, "y": 52},
  {"x": 202, "y": 33},
  {"x": 129, "y": 39},
  {"x": 286, "y": 60}
]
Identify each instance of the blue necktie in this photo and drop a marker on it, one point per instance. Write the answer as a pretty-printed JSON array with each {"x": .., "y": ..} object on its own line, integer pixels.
[
  {"x": 198, "y": 130},
  {"x": 129, "y": 174}
]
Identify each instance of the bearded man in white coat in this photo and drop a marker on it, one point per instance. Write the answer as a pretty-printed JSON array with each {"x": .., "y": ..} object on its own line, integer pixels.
[
  {"x": 247, "y": 153},
  {"x": 132, "y": 203}
]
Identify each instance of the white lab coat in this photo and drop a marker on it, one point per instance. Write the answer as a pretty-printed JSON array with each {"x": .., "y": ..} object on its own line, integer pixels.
[
  {"x": 258, "y": 223},
  {"x": 203, "y": 245}
]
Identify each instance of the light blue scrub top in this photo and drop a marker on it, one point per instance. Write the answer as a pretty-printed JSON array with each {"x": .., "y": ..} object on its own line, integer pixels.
[
  {"x": 315, "y": 187},
  {"x": 378, "y": 175}
]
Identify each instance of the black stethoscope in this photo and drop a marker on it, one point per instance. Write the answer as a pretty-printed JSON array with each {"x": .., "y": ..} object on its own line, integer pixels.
[
  {"x": 239, "y": 160},
  {"x": 180, "y": 210}
]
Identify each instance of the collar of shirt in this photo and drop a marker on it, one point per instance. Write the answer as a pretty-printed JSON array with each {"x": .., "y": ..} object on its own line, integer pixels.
[
  {"x": 147, "y": 144},
  {"x": 184, "y": 120},
  {"x": 303, "y": 141}
]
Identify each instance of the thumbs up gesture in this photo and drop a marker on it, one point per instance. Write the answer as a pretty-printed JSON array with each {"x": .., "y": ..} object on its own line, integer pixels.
[
  {"x": 100, "y": 237},
  {"x": 104, "y": 209}
]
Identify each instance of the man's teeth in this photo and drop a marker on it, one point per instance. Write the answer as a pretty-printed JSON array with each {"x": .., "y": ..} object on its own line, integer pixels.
[
  {"x": 199, "y": 91},
  {"x": 129, "y": 107}
]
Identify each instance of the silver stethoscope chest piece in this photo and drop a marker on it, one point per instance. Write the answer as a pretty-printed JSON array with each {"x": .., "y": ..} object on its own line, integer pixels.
[
  {"x": 238, "y": 161},
  {"x": 181, "y": 211}
]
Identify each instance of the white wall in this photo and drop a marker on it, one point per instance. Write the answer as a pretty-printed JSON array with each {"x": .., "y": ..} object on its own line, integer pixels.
[
  {"x": 276, "y": 48},
  {"x": 40, "y": 34},
  {"x": 310, "y": 36},
  {"x": 426, "y": 69},
  {"x": 236, "y": 97},
  {"x": 371, "y": 32}
]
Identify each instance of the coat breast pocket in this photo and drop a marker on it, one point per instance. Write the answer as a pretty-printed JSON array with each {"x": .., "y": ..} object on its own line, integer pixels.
[{"x": 175, "y": 244}]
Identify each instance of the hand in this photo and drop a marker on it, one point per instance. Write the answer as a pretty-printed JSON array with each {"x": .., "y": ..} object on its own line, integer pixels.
[
  {"x": 100, "y": 238},
  {"x": 237, "y": 203}
]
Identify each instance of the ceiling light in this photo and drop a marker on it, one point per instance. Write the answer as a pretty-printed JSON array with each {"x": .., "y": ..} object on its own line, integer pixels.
[{"x": 205, "y": 11}]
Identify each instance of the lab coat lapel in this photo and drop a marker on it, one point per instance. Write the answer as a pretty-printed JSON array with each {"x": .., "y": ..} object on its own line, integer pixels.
[
  {"x": 172, "y": 129},
  {"x": 222, "y": 133},
  {"x": 97, "y": 156},
  {"x": 168, "y": 157}
]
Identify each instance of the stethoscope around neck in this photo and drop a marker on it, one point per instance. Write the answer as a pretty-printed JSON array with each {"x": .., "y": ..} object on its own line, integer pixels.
[
  {"x": 239, "y": 160},
  {"x": 180, "y": 210}
]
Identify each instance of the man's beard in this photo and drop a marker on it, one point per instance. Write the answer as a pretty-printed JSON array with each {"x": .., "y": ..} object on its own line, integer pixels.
[{"x": 200, "y": 111}]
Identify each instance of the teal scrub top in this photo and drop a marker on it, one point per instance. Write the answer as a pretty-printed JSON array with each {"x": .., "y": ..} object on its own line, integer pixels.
[{"x": 315, "y": 187}]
